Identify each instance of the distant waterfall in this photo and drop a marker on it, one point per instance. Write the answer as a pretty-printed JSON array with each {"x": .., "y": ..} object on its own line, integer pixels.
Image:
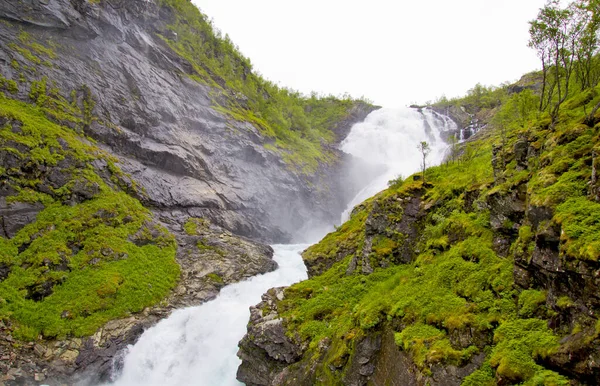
[{"x": 390, "y": 137}]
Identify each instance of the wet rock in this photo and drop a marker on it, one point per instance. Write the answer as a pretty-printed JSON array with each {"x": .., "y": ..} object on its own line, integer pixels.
[
  {"x": 16, "y": 215},
  {"x": 266, "y": 350},
  {"x": 163, "y": 128},
  {"x": 520, "y": 151},
  {"x": 507, "y": 209}
]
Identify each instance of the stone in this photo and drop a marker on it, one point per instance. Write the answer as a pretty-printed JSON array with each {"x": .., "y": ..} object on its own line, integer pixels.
[
  {"x": 15, "y": 216},
  {"x": 69, "y": 355},
  {"x": 170, "y": 140}
]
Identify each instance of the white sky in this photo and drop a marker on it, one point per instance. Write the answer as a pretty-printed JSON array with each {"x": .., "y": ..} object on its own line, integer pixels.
[{"x": 392, "y": 52}]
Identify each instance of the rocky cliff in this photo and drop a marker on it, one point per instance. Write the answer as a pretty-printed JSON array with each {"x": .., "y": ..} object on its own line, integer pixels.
[
  {"x": 486, "y": 274},
  {"x": 148, "y": 108}
]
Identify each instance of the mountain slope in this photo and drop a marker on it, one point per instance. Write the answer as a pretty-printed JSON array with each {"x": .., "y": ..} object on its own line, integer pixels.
[
  {"x": 183, "y": 111},
  {"x": 486, "y": 273}
]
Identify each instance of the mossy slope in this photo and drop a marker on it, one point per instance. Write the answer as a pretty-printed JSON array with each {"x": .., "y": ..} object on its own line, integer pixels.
[
  {"x": 92, "y": 253},
  {"x": 507, "y": 246}
]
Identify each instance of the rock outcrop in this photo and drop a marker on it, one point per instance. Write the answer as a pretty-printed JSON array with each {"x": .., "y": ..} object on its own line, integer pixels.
[{"x": 487, "y": 274}]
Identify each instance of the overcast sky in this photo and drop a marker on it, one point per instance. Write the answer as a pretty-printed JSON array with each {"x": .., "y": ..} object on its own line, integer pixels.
[{"x": 393, "y": 52}]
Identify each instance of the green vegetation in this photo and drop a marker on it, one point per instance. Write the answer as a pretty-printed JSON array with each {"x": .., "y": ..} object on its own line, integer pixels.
[
  {"x": 458, "y": 297},
  {"x": 297, "y": 127},
  {"x": 8, "y": 85},
  {"x": 93, "y": 253},
  {"x": 193, "y": 225}
]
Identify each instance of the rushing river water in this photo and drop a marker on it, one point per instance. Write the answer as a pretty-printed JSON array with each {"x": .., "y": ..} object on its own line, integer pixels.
[{"x": 198, "y": 345}]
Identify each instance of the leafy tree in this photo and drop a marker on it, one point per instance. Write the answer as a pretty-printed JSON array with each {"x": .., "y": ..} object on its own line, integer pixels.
[
  {"x": 586, "y": 67},
  {"x": 555, "y": 35},
  {"x": 424, "y": 149},
  {"x": 515, "y": 113}
]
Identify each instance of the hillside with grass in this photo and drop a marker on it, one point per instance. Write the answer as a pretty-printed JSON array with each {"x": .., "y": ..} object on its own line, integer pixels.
[
  {"x": 484, "y": 272},
  {"x": 489, "y": 266}
]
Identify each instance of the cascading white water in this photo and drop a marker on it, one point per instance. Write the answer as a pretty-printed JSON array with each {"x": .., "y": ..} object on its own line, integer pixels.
[
  {"x": 198, "y": 345},
  {"x": 390, "y": 137}
]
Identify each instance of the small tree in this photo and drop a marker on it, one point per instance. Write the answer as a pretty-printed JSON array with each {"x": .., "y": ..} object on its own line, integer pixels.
[
  {"x": 454, "y": 148},
  {"x": 424, "y": 149}
]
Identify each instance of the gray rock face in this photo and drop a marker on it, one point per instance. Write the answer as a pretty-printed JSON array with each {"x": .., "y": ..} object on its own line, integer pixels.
[
  {"x": 265, "y": 350},
  {"x": 15, "y": 216},
  {"x": 162, "y": 125}
]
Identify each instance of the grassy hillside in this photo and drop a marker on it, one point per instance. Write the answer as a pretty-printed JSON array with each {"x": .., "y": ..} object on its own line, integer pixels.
[
  {"x": 93, "y": 253},
  {"x": 507, "y": 236}
]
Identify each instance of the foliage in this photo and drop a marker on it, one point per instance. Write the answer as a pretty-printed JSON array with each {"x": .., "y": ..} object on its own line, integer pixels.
[
  {"x": 580, "y": 219},
  {"x": 518, "y": 344},
  {"x": 565, "y": 40},
  {"x": 458, "y": 284}
]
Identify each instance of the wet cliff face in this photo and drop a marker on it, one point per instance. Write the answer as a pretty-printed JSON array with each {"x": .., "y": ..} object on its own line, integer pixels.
[
  {"x": 188, "y": 158},
  {"x": 114, "y": 162}
]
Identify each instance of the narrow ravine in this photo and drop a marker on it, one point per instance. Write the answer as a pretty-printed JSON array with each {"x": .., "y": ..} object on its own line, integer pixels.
[{"x": 198, "y": 345}]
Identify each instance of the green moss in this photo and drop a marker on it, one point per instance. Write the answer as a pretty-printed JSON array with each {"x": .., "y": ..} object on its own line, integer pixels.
[
  {"x": 518, "y": 344},
  {"x": 215, "y": 278},
  {"x": 484, "y": 376},
  {"x": 347, "y": 240},
  {"x": 26, "y": 53},
  {"x": 8, "y": 85},
  {"x": 193, "y": 225},
  {"x": 564, "y": 302},
  {"x": 104, "y": 248},
  {"x": 580, "y": 220},
  {"x": 383, "y": 246},
  {"x": 428, "y": 345},
  {"x": 530, "y": 301}
]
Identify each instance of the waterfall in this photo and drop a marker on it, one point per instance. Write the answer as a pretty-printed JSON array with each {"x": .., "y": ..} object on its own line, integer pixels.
[
  {"x": 390, "y": 137},
  {"x": 198, "y": 345}
]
